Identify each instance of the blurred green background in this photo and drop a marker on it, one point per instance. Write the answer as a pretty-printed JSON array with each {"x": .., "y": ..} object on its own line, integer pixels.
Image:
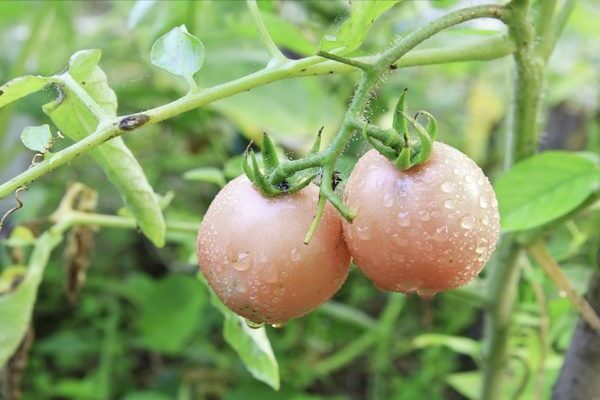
[{"x": 143, "y": 327}]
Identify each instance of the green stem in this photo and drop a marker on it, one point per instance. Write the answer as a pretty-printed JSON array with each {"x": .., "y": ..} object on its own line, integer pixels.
[
  {"x": 306, "y": 66},
  {"x": 277, "y": 55},
  {"x": 383, "y": 355},
  {"x": 112, "y": 221},
  {"x": 502, "y": 288},
  {"x": 98, "y": 112},
  {"x": 362, "y": 95},
  {"x": 523, "y": 138}
]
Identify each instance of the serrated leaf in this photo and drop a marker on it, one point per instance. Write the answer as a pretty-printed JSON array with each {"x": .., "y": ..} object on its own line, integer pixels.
[
  {"x": 179, "y": 53},
  {"x": 71, "y": 116},
  {"x": 353, "y": 30},
  {"x": 37, "y": 138},
  {"x": 210, "y": 175},
  {"x": 16, "y": 306},
  {"x": 543, "y": 188},
  {"x": 20, "y": 87},
  {"x": 252, "y": 345}
]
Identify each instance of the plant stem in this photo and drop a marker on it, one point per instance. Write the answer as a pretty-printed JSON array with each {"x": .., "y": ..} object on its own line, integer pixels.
[
  {"x": 267, "y": 40},
  {"x": 307, "y": 66},
  {"x": 362, "y": 95},
  {"x": 522, "y": 142},
  {"x": 112, "y": 221},
  {"x": 502, "y": 287}
]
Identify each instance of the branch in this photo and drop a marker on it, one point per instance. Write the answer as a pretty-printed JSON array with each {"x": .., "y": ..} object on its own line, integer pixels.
[{"x": 114, "y": 128}]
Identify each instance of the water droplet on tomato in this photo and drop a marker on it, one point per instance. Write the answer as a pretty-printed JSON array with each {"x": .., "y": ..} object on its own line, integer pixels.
[
  {"x": 363, "y": 232},
  {"x": 467, "y": 222},
  {"x": 243, "y": 262},
  {"x": 388, "y": 200},
  {"x": 403, "y": 218},
  {"x": 447, "y": 187},
  {"x": 482, "y": 245},
  {"x": 254, "y": 325},
  {"x": 483, "y": 202},
  {"x": 441, "y": 234},
  {"x": 295, "y": 255},
  {"x": 450, "y": 204},
  {"x": 426, "y": 294}
]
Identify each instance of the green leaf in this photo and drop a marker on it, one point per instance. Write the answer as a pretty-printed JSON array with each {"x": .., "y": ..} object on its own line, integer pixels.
[
  {"x": 37, "y": 138},
  {"x": 170, "y": 312},
  {"x": 468, "y": 384},
  {"x": 461, "y": 345},
  {"x": 16, "y": 306},
  {"x": 252, "y": 345},
  {"x": 19, "y": 237},
  {"x": 20, "y": 87},
  {"x": 179, "y": 53},
  {"x": 11, "y": 278},
  {"x": 543, "y": 188},
  {"x": 71, "y": 116},
  {"x": 210, "y": 175},
  {"x": 353, "y": 30}
]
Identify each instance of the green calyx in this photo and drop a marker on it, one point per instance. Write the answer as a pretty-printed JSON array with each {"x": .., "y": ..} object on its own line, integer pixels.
[
  {"x": 399, "y": 145},
  {"x": 270, "y": 160}
]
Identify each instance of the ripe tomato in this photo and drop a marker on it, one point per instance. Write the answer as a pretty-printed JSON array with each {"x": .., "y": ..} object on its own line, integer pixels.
[
  {"x": 426, "y": 229},
  {"x": 251, "y": 250}
]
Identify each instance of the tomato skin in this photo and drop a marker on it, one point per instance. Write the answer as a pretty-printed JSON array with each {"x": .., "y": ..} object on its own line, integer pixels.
[
  {"x": 251, "y": 250},
  {"x": 427, "y": 229}
]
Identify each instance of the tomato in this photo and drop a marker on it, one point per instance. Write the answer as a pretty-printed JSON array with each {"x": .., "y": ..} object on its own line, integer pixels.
[
  {"x": 426, "y": 229},
  {"x": 251, "y": 250}
]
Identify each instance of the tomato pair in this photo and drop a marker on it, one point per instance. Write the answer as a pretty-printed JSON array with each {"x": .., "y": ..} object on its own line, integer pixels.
[{"x": 427, "y": 229}]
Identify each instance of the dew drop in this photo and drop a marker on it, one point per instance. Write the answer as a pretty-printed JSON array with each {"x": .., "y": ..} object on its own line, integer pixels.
[
  {"x": 450, "y": 204},
  {"x": 278, "y": 325},
  {"x": 279, "y": 291},
  {"x": 424, "y": 215},
  {"x": 295, "y": 255},
  {"x": 398, "y": 258},
  {"x": 467, "y": 222},
  {"x": 262, "y": 258},
  {"x": 485, "y": 220},
  {"x": 399, "y": 240},
  {"x": 363, "y": 232},
  {"x": 254, "y": 325},
  {"x": 243, "y": 262},
  {"x": 388, "y": 200},
  {"x": 240, "y": 288},
  {"x": 426, "y": 294},
  {"x": 403, "y": 218},
  {"x": 447, "y": 187},
  {"x": 330, "y": 38},
  {"x": 441, "y": 234},
  {"x": 469, "y": 179},
  {"x": 483, "y": 203},
  {"x": 482, "y": 245},
  {"x": 494, "y": 202},
  {"x": 270, "y": 275},
  {"x": 406, "y": 287}
]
